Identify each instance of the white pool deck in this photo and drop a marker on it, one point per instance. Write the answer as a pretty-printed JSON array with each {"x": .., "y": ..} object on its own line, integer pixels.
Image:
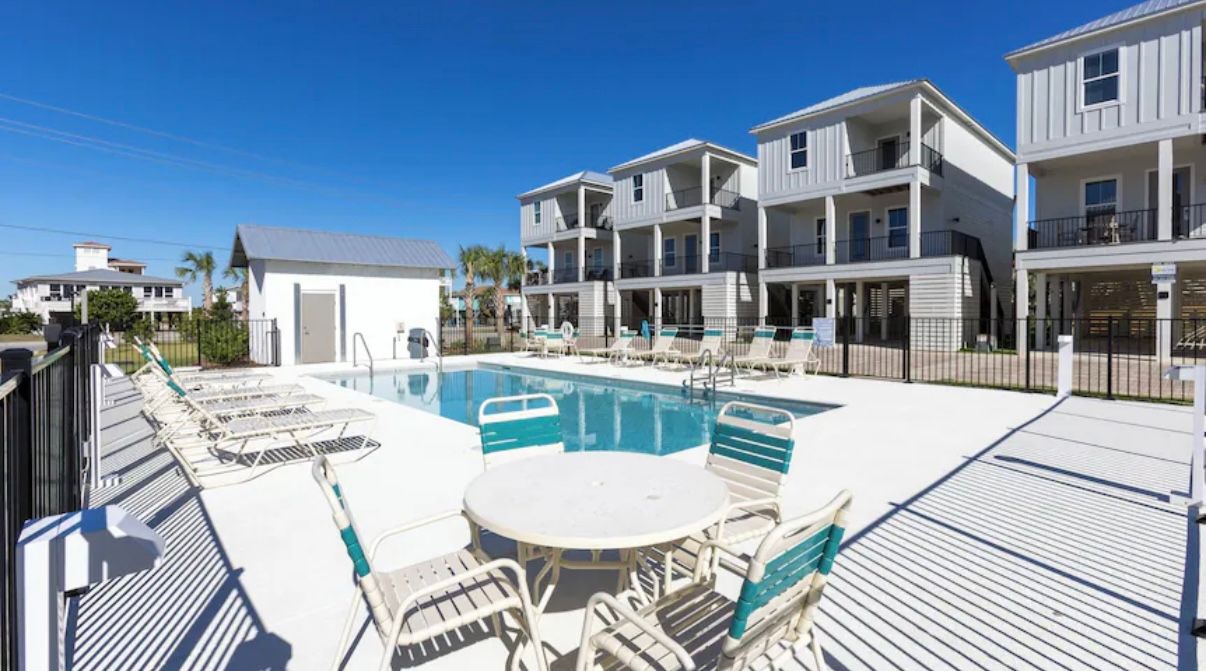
[{"x": 990, "y": 530}]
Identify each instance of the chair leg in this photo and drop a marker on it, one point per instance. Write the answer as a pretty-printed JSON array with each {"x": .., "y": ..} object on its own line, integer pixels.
[
  {"x": 341, "y": 647},
  {"x": 815, "y": 645}
]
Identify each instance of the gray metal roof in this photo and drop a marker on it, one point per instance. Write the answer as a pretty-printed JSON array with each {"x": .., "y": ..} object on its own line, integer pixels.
[
  {"x": 102, "y": 276},
  {"x": 584, "y": 176},
  {"x": 1134, "y": 13},
  {"x": 297, "y": 244},
  {"x": 837, "y": 101},
  {"x": 679, "y": 147}
]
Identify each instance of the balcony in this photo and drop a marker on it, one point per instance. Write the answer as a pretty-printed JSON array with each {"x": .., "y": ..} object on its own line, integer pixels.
[
  {"x": 1107, "y": 228},
  {"x": 718, "y": 262},
  {"x": 635, "y": 269},
  {"x": 795, "y": 256},
  {"x": 571, "y": 222},
  {"x": 690, "y": 197},
  {"x": 158, "y": 304},
  {"x": 891, "y": 157},
  {"x": 885, "y": 248}
]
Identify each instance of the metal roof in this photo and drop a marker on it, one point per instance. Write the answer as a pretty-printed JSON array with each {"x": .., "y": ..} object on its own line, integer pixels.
[
  {"x": 1137, "y": 12},
  {"x": 838, "y": 101},
  {"x": 296, "y": 244},
  {"x": 679, "y": 147},
  {"x": 102, "y": 276},
  {"x": 584, "y": 176}
]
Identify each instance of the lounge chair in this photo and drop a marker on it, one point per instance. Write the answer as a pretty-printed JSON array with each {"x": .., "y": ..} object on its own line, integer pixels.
[
  {"x": 428, "y": 600},
  {"x": 620, "y": 344},
  {"x": 759, "y": 350},
  {"x": 712, "y": 340},
  {"x": 519, "y": 426},
  {"x": 799, "y": 354},
  {"x": 697, "y": 627},
  {"x": 534, "y": 341},
  {"x": 212, "y": 376},
  {"x": 663, "y": 344},
  {"x": 208, "y": 415}
]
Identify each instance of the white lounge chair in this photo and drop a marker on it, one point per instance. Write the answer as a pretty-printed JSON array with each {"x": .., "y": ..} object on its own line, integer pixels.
[
  {"x": 663, "y": 344},
  {"x": 712, "y": 341},
  {"x": 617, "y": 346},
  {"x": 210, "y": 376},
  {"x": 519, "y": 426},
  {"x": 759, "y": 350},
  {"x": 208, "y": 415},
  {"x": 534, "y": 342},
  {"x": 697, "y": 627},
  {"x": 799, "y": 354},
  {"x": 429, "y": 600}
]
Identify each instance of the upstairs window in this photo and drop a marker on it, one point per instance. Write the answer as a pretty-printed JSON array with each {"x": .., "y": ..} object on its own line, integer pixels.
[
  {"x": 821, "y": 239},
  {"x": 536, "y": 213},
  {"x": 898, "y": 227},
  {"x": 668, "y": 253},
  {"x": 1100, "y": 77},
  {"x": 638, "y": 188},
  {"x": 714, "y": 247},
  {"x": 158, "y": 292},
  {"x": 1101, "y": 199},
  {"x": 146, "y": 292},
  {"x": 799, "y": 150}
]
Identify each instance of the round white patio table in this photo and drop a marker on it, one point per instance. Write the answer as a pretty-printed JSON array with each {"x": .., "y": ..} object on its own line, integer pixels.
[{"x": 595, "y": 501}]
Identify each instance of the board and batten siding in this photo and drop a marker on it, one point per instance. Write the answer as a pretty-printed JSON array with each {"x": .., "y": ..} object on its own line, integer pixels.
[
  {"x": 827, "y": 149},
  {"x": 654, "y": 203},
  {"x": 1160, "y": 64}
]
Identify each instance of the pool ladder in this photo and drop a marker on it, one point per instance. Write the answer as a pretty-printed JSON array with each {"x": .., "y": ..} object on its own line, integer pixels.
[
  {"x": 359, "y": 337},
  {"x": 706, "y": 373}
]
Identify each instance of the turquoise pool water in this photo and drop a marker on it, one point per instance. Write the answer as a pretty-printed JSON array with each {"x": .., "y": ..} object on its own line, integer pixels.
[{"x": 596, "y": 413}]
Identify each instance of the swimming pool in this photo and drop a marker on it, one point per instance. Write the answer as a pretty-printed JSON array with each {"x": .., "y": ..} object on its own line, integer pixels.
[{"x": 596, "y": 413}]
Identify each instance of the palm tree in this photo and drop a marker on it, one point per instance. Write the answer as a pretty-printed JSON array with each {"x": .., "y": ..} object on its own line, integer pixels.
[
  {"x": 497, "y": 266},
  {"x": 240, "y": 275},
  {"x": 514, "y": 269},
  {"x": 470, "y": 261},
  {"x": 199, "y": 264}
]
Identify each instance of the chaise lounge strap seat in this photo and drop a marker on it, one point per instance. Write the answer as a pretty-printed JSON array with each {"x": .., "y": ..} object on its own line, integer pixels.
[
  {"x": 214, "y": 394},
  {"x": 258, "y": 404},
  {"x": 241, "y": 427}
]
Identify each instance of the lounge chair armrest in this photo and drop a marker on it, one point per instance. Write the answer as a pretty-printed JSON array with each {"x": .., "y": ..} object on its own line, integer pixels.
[
  {"x": 626, "y": 613},
  {"x": 705, "y": 561},
  {"x": 409, "y": 526},
  {"x": 744, "y": 505}
]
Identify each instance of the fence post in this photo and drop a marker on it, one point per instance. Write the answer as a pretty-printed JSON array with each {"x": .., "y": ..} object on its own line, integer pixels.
[
  {"x": 1110, "y": 358},
  {"x": 907, "y": 358},
  {"x": 846, "y": 346},
  {"x": 1023, "y": 340},
  {"x": 69, "y": 498},
  {"x": 275, "y": 345},
  {"x": 199, "y": 323},
  {"x": 20, "y": 362}
]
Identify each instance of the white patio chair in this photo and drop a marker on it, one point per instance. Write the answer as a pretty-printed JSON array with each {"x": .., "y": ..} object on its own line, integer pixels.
[
  {"x": 759, "y": 350},
  {"x": 203, "y": 376},
  {"x": 713, "y": 339},
  {"x": 663, "y": 344},
  {"x": 519, "y": 426},
  {"x": 697, "y": 627},
  {"x": 620, "y": 344},
  {"x": 425, "y": 601},
  {"x": 799, "y": 354}
]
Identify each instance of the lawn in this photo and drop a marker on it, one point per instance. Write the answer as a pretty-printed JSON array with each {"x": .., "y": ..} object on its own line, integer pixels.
[
  {"x": 20, "y": 337},
  {"x": 128, "y": 357}
]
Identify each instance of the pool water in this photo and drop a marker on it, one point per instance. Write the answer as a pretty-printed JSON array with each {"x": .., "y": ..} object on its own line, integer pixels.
[{"x": 596, "y": 413}]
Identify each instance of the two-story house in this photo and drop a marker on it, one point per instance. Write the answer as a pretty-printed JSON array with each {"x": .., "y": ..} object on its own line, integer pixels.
[
  {"x": 570, "y": 219},
  {"x": 1109, "y": 128},
  {"x": 55, "y": 296},
  {"x": 882, "y": 202},
  {"x": 685, "y": 240}
]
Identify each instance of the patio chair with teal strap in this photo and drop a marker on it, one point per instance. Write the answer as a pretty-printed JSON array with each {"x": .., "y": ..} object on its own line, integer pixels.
[
  {"x": 799, "y": 355},
  {"x": 519, "y": 426},
  {"x": 759, "y": 350},
  {"x": 697, "y": 627},
  {"x": 429, "y": 600}
]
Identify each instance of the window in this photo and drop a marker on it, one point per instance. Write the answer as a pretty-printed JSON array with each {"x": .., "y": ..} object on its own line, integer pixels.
[
  {"x": 168, "y": 292},
  {"x": 129, "y": 290},
  {"x": 146, "y": 292},
  {"x": 799, "y": 150},
  {"x": 567, "y": 260},
  {"x": 596, "y": 258},
  {"x": 536, "y": 213},
  {"x": 898, "y": 227},
  {"x": 158, "y": 292},
  {"x": 1101, "y": 198},
  {"x": 821, "y": 239},
  {"x": 638, "y": 188},
  {"x": 668, "y": 259},
  {"x": 1099, "y": 77},
  {"x": 713, "y": 247},
  {"x": 55, "y": 288}
]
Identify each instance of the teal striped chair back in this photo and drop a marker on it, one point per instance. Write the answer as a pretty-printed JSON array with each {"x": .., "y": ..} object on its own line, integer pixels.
[
  {"x": 785, "y": 581},
  {"x": 800, "y": 346},
  {"x": 519, "y": 426},
  {"x": 751, "y": 449},
  {"x": 328, "y": 481}
]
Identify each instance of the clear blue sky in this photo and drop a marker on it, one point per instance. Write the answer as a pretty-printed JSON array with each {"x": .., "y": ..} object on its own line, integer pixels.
[{"x": 426, "y": 120}]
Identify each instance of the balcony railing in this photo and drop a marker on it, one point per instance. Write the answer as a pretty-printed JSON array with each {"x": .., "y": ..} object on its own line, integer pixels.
[
  {"x": 589, "y": 274},
  {"x": 568, "y": 222},
  {"x": 732, "y": 262},
  {"x": 564, "y": 275},
  {"x": 1106, "y": 228},
  {"x": 795, "y": 256},
  {"x": 689, "y": 197},
  {"x": 884, "y": 248},
  {"x": 631, "y": 269},
  {"x": 891, "y": 157},
  {"x": 683, "y": 264},
  {"x": 536, "y": 278},
  {"x": 1190, "y": 221}
]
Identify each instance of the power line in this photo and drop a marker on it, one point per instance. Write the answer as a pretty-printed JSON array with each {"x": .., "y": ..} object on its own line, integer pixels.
[
  {"x": 61, "y": 255},
  {"x": 106, "y": 236}
]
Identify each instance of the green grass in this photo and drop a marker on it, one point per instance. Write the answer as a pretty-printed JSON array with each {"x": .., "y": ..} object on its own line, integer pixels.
[
  {"x": 130, "y": 359},
  {"x": 20, "y": 337}
]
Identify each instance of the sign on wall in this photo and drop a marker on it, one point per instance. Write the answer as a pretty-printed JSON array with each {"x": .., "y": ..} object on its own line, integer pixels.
[
  {"x": 1163, "y": 273},
  {"x": 824, "y": 327}
]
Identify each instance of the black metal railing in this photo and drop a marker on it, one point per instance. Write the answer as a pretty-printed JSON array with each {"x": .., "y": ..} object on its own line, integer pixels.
[
  {"x": 536, "y": 278},
  {"x": 566, "y": 221},
  {"x": 726, "y": 198},
  {"x": 603, "y": 221},
  {"x": 681, "y": 264},
  {"x": 692, "y": 196},
  {"x": 931, "y": 159},
  {"x": 795, "y": 256},
  {"x": 732, "y": 262},
  {"x": 883, "y": 248},
  {"x": 634, "y": 269},
  {"x": 45, "y": 420},
  {"x": 597, "y": 273},
  {"x": 563, "y": 275},
  {"x": 1106, "y": 228},
  {"x": 207, "y": 343},
  {"x": 891, "y": 157},
  {"x": 1189, "y": 222}
]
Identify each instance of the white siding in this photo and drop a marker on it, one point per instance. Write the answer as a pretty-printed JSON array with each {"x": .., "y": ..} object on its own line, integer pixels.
[{"x": 827, "y": 149}]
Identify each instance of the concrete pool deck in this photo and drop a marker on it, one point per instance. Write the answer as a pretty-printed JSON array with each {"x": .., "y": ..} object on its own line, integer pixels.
[{"x": 990, "y": 529}]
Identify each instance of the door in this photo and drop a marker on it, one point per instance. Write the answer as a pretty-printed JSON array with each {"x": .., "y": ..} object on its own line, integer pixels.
[
  {"x": 860, "y": 227},
  {"x": 1180, "y": 202},
  {"x": 318, "y": 328},
  {"x": 596, "y": 209},
  {"x": 889, "y": 153},
  {"x": 691, "y": 253}
]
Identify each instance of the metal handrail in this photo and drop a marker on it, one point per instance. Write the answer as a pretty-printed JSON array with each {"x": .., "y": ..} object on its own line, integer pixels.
[
  {"x": 360, "y": 335},
  {"x": 730, "y": 356}
]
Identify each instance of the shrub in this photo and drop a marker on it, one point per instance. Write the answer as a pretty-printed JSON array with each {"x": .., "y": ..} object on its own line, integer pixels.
[
  {"x": 113, "y": 306},
  {"x": 20, "y": 323},
  {"x": 223, "y": 342},
  {"x": 143, "y": 328}
]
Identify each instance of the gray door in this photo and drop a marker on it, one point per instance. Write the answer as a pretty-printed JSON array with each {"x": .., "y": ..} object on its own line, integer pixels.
[{"x": 318, "y": 328}]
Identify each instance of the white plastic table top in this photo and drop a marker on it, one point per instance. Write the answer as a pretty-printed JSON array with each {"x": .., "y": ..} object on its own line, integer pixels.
[{"x": 596, "y": 500}]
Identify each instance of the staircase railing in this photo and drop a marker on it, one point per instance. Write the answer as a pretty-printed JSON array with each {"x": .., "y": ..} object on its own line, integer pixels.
[{"x": 359, "y": 337}]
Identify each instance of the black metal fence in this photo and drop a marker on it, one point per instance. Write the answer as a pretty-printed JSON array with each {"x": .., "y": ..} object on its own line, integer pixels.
[
  {"x": 44, "y": 423},
  {"x": 204, "y": 343},
  {"x": 1113, "y": 358}
]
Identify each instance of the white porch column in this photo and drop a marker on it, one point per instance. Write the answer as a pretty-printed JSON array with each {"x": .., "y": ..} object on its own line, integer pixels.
[
  {"x": 830, "y": 298},
  {"x": 657, "y": 250},
  {"x": 915, "y": 130},
  {"x": 581, "y": 206},
  {"x": 762, "y": 245},
  {"x": 1065, "y": 311},
  {"x": 552, "y": 310},
  {"x": 705, "y": 222},
  {"x": 616, "y": 256},
  {"x": 552, "y": 262},
  {"x": 860, "y": 310},
  {"x": 581, "y": 254},
  {"x": 657, "y": 309},
  {"x": 763, "y": 308},
  {"x": 617, "y": 311},
  {"x": 795, "y": 304},
  {"x": 1164, "y": 323},
  {"x": 524, "y": 314},
  {"x": 1164, "y": 184},
  {"x": 1040, "y": 311},
  {"x": 915, "y": 219},
  {"x": 885, "y": 310},
  {"x": 830, "y": 231},
  {"x": 1021, "y": 210},
  {"x": 1021, "y": 306}
]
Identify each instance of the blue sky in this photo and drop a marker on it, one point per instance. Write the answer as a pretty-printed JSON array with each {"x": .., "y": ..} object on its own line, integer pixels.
[{"x": 424, "y": 120}]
